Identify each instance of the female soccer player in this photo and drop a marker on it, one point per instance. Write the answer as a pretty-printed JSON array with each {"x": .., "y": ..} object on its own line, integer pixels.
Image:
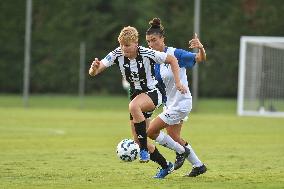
[
  {"x": 136, "y": 64},
  {"x": 177, "y": 105}
]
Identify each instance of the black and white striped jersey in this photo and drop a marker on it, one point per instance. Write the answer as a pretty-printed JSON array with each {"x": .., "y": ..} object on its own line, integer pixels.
[{"x": 139, "y": 72}]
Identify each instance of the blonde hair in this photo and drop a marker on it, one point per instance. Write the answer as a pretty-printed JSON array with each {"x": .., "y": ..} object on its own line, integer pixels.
[{"x": 128, "y": 34}]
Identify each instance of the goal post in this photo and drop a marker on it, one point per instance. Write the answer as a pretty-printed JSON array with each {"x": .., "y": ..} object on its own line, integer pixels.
[{"x": 261, "y": 76}]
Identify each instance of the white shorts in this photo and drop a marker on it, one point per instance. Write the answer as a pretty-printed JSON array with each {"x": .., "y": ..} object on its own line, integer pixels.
[
  {"x": 172, "y": 117},
  {"x": 176, "y": 111}
]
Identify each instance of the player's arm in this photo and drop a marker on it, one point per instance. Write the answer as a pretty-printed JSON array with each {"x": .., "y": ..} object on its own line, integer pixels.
[
  {"x": 175, "y": 69},
  {"x": 195, "y": 43},
  {"x": 96, "y": 67}
]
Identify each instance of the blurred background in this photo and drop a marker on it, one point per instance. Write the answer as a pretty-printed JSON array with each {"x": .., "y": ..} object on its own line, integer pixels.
[
  {"x": 67, "y": 137},
  {"x": 60, "y": 26}
]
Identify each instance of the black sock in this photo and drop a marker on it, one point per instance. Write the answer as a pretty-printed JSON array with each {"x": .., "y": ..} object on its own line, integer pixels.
[
  {"x": 159, "y": 158},
  {"x": 140, "y": 129}
]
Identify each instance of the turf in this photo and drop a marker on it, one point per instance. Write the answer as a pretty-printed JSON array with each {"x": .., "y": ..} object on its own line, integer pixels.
[{"x": 55, "y": 143}]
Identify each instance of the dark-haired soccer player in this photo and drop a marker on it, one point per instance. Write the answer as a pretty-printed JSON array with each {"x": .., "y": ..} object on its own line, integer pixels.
[{"x": 178, "y": 105}]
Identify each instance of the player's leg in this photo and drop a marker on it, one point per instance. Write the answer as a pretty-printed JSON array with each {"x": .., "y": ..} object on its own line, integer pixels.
[
  {"x": 141, "y": 103},
  {"x": 155, "y": 155},
  {"x": 174, "y": 132},
  {"x": 167, "y": 119},
  {"x": 154, "y": 132},
  {"x": 160, "y": 122},
  {"x": 198, "y": 166},
  {"x": 150, "y": 146}
]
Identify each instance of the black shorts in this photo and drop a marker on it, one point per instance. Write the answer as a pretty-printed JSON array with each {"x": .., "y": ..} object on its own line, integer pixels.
[{"x": 155, "y": 94}]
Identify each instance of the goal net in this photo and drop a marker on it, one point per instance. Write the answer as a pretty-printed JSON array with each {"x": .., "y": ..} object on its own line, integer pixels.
[{"x": 261, "y": 76}]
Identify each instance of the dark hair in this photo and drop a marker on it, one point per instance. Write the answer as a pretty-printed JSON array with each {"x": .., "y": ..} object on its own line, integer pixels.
[{"x": 156, "y": 27}]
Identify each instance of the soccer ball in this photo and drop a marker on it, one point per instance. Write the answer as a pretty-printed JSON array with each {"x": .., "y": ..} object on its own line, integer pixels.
[{"x": 127, "y": 150}]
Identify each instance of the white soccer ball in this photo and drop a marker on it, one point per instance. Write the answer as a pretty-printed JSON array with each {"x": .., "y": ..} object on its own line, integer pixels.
[{"x": 127, "y": 150}]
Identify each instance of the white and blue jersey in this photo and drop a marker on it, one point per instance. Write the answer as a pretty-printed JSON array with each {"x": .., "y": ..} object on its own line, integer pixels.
[{"x": 176, "y": 102}]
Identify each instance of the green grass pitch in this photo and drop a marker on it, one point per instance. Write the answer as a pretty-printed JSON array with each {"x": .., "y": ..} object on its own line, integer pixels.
[{"x": 55, "y": 144}]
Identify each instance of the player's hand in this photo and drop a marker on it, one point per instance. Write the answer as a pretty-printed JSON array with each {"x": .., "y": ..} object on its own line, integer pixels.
[
  {"x": 195, "y": 43},
  {"x": 94, "y": 66},
  {"x": 181, "y": 88}
]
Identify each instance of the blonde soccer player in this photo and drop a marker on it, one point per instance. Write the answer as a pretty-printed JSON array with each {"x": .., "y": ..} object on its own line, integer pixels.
[{"x": 136, "y": 64}]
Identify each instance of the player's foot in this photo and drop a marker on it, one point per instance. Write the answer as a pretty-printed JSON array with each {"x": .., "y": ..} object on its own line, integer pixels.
[
  {"x": 144, "y": 156},
  {"x": 162, "y": 173},
  {"x": 197, "y": 171},
  {"x": 181, "y": 157}
]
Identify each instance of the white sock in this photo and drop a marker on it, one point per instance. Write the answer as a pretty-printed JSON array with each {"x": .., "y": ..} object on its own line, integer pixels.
[
  {"x": 167, "y": 141},
  {"x": 192, "y": 158}
]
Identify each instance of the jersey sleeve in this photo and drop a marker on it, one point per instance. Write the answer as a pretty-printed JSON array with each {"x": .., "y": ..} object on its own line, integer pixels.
[
  {"x": 110, "y": 58},
  {"x": 185, "y": 59},
  {"x": 160, "y": 57}
]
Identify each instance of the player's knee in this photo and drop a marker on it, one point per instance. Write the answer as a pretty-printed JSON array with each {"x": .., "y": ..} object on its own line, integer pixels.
[{"x": 133, "y": 107}]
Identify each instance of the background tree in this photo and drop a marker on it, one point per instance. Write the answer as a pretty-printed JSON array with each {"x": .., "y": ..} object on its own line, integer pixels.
[{"x": 59, "y": 26}]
